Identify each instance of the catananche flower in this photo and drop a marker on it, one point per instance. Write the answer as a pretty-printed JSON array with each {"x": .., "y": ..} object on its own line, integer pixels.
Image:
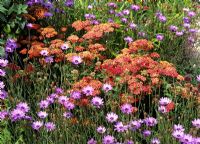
[
  {"x": 3, "y": 94},
  {"x": 178, "y": 127},
  {"x": 108, "y": 139},
  {"x": 164, "y": 101},
  {"x": 126, "y": 108},
  {"x": 50, "y": 126},
  {"x": 112, "y": 4},
  {"x": 2, "y": 73},
  {"x": 119, "y": 14},
  {"x": 63, "y": 99},
  {"x": 186, "y": 25},
  {"x": 111, "y": 11},
  {"x": 75, "y": 95},
  {"x": 179, "y": 33},
  {"x": 126, "y": 12},
  {"x": 120, "y": 127},
  {"x": 110, "y": 20},
  {"x": 3, "y": 62},
  {"x": 50, "y": 99},
  {"x": 187, "y": 138},
  {"x": 17, "y": 114},
  {"x": 2, "y": 85},
  {"x": 3, "y": 115},
  {"x": 44, "y": 52},
  {"x": 191, "y": 14},
  {"x": 11, "y": 45},
  {"x": 124, "y": 20},
  {"x": 76, "y": 60},
  {"x": 101, "y": 129},
  {"x": 135, "y": 7},
  {"x": 59, "y": 90},
  {"x": 159, "y": 37},
  {"x": 107, "y": 87},
  {"x": 23, "y": 106},
  {"x": 48, "y": 14},
  {"x": 65, "y": 46},
  {"x": 67, "y": 114},
  {"x": 90, "y": 7},
  {"x": 69, "y": 3},
  {"x": 42, "y": 114},
  {"x": 97, "y": 101},
  {"x": 177, "y": 134},
  {"x": 134, "y": 124},
  {"x": 44, "y": 104},
  {"x": 37, "y": 125},
  {"x": 69, "y": 105},
  {"x": 162, "y": 18},
  {"x": 150, "y": 121},
  {"x": 198, "y": 78},
  {"x": 155, "y": 141},
  {"x": 92, "y": 141},
  {"x": 132, "y": 26},
  {"x": 146, "y": 133},
  {"x": 129, "y": 142},
  {"x": 49, "y": 59},
  {"x": 192, "y": 30},
  {"x": 186, "y": 20},
  {"x": 128, "y": 39},
  {"x": 111, "y": 117},
  {"x": 196, "y": 123},
  {"x": 173, "y": 28},
  {"x": 88, "y": 90}
]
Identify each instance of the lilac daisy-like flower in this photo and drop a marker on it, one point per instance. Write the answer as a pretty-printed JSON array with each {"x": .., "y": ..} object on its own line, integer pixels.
[
  {"x": 196, "y": 140},
  {"x": 150, "y": 121},
  {"x": 159, "y": 37},
  {"x": 3, "y": 62},
  {"x": 97, "y": 102},
  {"x": 142, "y": 34},
  {"x": 173, "y": 28},
  {"x": 59, "y": 90},
  {"x": 126, "y": 12},
  {"x": 101, "y": 129},
  {"x": 69, "y": 105},
  {"x": 135, "y": 7},
  {"x": 111, "y": 117},
  {"x": 191, "y": 14},
  {"x": 88, "y": 90},
  {"x": 177, "y": 134},
  {"x": 76, "y": 60},
  {"x": 111, "y": 11},
  {"x": 11, "y": 45},
  {"x": 162, "y": 109},
  {"x": 126, "y": 108},
  {"x": 162, "y": 18},
  {"x": 3, "y": 94},
  {"x": 50, "y": 99},
  {"x": 65, "y": 46},
  {"x": 146, "y": 133},
  {"x": 196, "y": 123},
  {"x": 119, "y": 14},
  {"x": 186, "y": 20},
  {"x": 69, "y": 3},
  {"x": 42, "y": 114},
  {"x": 49, "y": 59},
  {"x": 132, "y": 26},
  {"x": 164, "y": 101},
  {"x": 23, "y": 106},
  {"x": 186, "y": 25},
  {"x": 124, "y": 20},
  {"x": 44, "y": 104},
  {"x": 108, "y": 139},
  {"x": 128, "y": 39},
  {"x": 17, "y": 114},
  {"x": 155, "y": 141},
  {"x": 112, "y": 4},
  {"x": 120, "y": 127},
  {"x": 187, "y": 138},
  {"x": 134, "y": 125},
  {"x": 3, "y": 115},
  {"x": 2, "y": 73},
  {"x": 129, "y": 142},
  {"x": 178, "y": 127},
  {"x": 37, "y": 125},
  {"x": 92, "y": 141},
  {"x": 2, "y": 85},
  {"x": 48, "y": 14},
  {"x": 198, "y": 78},
  {"x": 50, "y": 126},
  {"x": 107, "y": 87},
  {"x": 110, "y": 20},
  {"x": 75, "y": 95},
  {"x": 90, "y": 7},
  {"x": 44, "y": 52},
  {"x": 179, "y": 33},
  {"x": 63, "y": 99},
  {"x": 192, "y": 30},
  {"x": 67, "y": 114}
]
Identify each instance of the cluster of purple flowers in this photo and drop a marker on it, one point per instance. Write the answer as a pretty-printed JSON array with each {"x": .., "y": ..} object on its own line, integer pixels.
[{"x": 11, "y": 45}]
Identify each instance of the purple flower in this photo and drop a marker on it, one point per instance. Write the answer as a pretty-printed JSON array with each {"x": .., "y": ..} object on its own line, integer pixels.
[
  {"x": 119, "y": 14},
  {"x": 162, "y": 109},
  {"x": 126, "y": 108},
  {"x": 48, "y": 14},
  {"x": 69, "y": 105},
  {"x": 132, "y": 26},
  {"x": 75, "y": 95},
  {"x": 3, "y": 94},
  {"x": 196, "y": 140},
  {"x": 186, "y": 25},
  {"x": 173, "y": 28},
  {"x": 44, "y": 52},
  {"x": 191, "y": 14},
  {"x": 135, "y": 7},
  {"x": 88, "y": 90},
  {"x": 142, "y": 34},
  {"x": 92, "y": 141},
  {"x": 128, "y": 39},
  {"x": 110, "y": 20},
  {"x": 23, "y": 106},
  {"x": 187, "y": 138},
  {"x": 97, "y": 102},
  {"x": 108, "y": 139},
  {"x": 178, "y": 127},
  {"x": 180, "y": 33},
  {"x": 196, "y": 123},
  {"x": 111, "y": 11},
  {"x": 90, "y": 7},
  {"x": 42, "y": 114},
  {"x": 3, "y": 115},
  {"x": 155, "y": 141},
  {"x": 50, "y": 100},
  {"x": 48, "y": 59},
  {"x": 129, "y": 142},
  {"x": 120, "y": 127},
  {"x": 2, "y": 85},
  {"x": 63, "y": 99},
  {"x": 101, "y": 129},
  {"x": 162, "y": 18},
  {"x": 177, "y": 134},
  {"x": 95, "y": 22},
  {"x": 3, "y": 62},
  {"x": 107, "y": 87},
  {"x": 159, "y": 37},
  {"x": 146, "y": 133},
  {"x": 37, "y": 125},
  {"x": 65, "y": 46},
  {"x": 124, "y": 20},
  {"x": 59, "y": 90},
  {"x": 2, "y": 73},
  {"x": 50, "y": 126},
  {"x": 69, "y": 3},
  {"x": 112, "y": 4},
  {"x": 76, "y": 60},
  {"x": 11, "y": 45},
  {"x": 111, "y": 117},
  {"x": 134, "y": 125},
  {"x": 17, "y": 114},
  {"x": 198, "y": 78},
  {"x": 48, "y": 5},
  {"x": 44, "y": 104},
  {"x": 186, "y": 20},
  {"x": 126, "y": 12},
  {"x": 164, "y": 101},
  {"x": 150, "y": 121},
  {"x": 67, "y": 114}
]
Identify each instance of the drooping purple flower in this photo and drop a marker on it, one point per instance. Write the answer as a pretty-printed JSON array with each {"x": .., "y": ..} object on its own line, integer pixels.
[
  {"x": 67, "y": 114},
  {"x": 155, "y": 141},
  {"x": 3, "y": 62},
  {"x": 159, "y": 37},
  {"x": 3, "y": 94},
  {"x": 135, "y": 7},
  {"x": 101, "y": 129},
  {"x": 48, "y": 59},
  {"x": 126, "y": 108},
  {"x": 75, "y": 95},
  {"x": 107, "y": 87},
  {"x": 76, "y": 60},
  {"x": 108, "y": 139},
  {"x": 42, "y": 114},
  {"x": 3, "y": 115},
  {"x": 2, "y": 73},
  {"x": 44, "y": 52},
  {"x": 178, "y": 127},
  {"x": 146, "y": 133},
  {"x": 50, "y": 126},
  {"x": 120, "y": 127},
  {"x": 92, "y": 141},
  {"x": 164, "y": 101},
  {"x": 37, "y": 125},
  {"x": 17, "y": 114},
  {"x": 177, "y": 134},
  {"x": 97, "y": 102},
  {"x": 111, "y": 117},
  {"x": 134, "y": 125},
  {"x": 173, "y": 28},
  {"x": 88, "y": 90},
  {"x": 150, "y": 121},
  {"x": 69, "y": 3},
  {"x": 44, "y": 104},
  {"x": 128, "y": 39},
  {"x": 196, "y": 123},
  {"x": 191, "y": 14},
  {"x": 23, "y": 106}
]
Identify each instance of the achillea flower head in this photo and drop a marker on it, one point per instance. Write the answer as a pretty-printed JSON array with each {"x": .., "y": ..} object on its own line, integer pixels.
[
  {"x": 135, "y": 7},
  {"x": 164, "y": 101},
  {"x": 159, "y": 37},
  {"x": 97, "y": 102},
  {"x": 75, "y": 95},
  {"x": 23, "y": 106},
  {"x": 50, "y": 126},
  {"x": 150, "y": 121},
  {"x": 67, "y": 114},
  {"x": 111, "y": 117},
  {"x": 177, "y": 134},
  {"x": 108, "y": 139},
  {"x": 120, "y": 127},
  {"x": 37, "y": 125},
  {"x": 42, "y": 114},
  {"x": 3, "y": 62},
  {"x": 17, "y": 114},
  {"x": 128, "y": 39},
  {"x": 92, "y": 141},
  {"x": 173, "y": 28},
  {"x": 155, "y": 141},
  {"x": 44, "y": 104},
  {"x": 196, "y": 123},
  {"x": 76, "y": 60},
  {"x": 178, "y": 127},
  {"x": 3, "y": 115},
  {"x": 126, "y": 108},
  {"x": 2, "y": 73},
  {"x": 101, "y": 129},
  {"x": 88, "y": 90},
  {"x": 107, "y": 87},
  {"x": 44, "y": 52},
  {"x": 146, "y": 133}
]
